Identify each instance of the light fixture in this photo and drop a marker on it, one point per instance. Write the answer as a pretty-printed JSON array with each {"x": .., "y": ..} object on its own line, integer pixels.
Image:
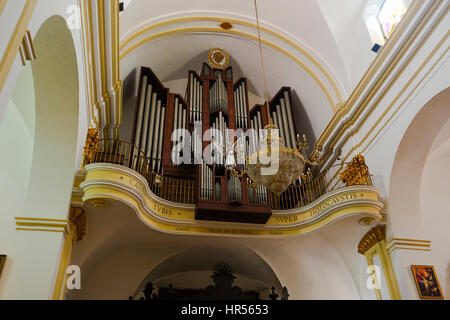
[{"x": 286, "y": 165}]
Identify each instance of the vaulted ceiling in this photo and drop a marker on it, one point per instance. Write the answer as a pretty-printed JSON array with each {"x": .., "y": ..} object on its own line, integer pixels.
[{"x": 300, "y": 45}]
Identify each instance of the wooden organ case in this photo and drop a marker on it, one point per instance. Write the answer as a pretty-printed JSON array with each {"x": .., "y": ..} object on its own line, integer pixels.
[{"x": 212, "y": 101}]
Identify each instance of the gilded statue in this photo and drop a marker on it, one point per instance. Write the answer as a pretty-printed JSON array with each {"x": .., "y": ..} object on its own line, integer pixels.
[
  {"x": 356, "y": 172},
  {"x": 92, "y": 145}
]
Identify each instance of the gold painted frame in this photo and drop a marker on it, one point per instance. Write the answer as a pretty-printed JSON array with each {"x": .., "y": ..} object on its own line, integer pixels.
[
  {"x": 2, "y": 262},
  {"x": 435, "y": 286}
]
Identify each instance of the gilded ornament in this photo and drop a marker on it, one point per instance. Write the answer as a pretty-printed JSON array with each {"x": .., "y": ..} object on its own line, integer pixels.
[
  {"x": 77, "y": 217},
  {"x": 218, "y": 58},
  {"x": 91, "y": 146},
  {"x": 371, "y": 238},
  {"x": 356, "y": 172}
]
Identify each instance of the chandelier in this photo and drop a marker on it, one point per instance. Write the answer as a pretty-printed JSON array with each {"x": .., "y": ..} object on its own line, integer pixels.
[{"x": 275, "y": 166}]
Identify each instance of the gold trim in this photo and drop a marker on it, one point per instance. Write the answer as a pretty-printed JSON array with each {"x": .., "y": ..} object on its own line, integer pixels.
[
  {"x": 77, "y": 217},
  {"x": 244, "y": 35},
  {"x": 41, "y": 219},
  {"x": 438, "y": 46},
  {"x": 2, "y": 5},
  {"x": 371, "y": 238},
  {"x": 213, "y": 63},
  {"x": 408, "y": 244},
  {"x": 403, "y": 248},
  {"x": 40, "y": 224},
  {"x": 403, "y": 239},
  {"x": 117, "y": 83},
  {"x": 370, "y": 72},
  {"x": 102, "y": 54},
  {"x": 122, "y": 184},
  {"x": 40, "y": 229},
  {"x": 62, "y": 266},
  {"x": 411, "y": 244},
  {"x": 247, "y": 24},
  {"x": 89, "y": 61},
  {"x": 22, "y": 57},
  {"x": 379, "y": 249},
  {"x": 14, "y": 43},
  {"x": 30, "y": 43}
]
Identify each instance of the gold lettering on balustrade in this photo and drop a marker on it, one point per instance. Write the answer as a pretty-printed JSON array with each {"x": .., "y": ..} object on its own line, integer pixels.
[
  {"x": 288, "y": 219},
  {"x": 333, "y": 201},
  {"x": 136, "y": 185},
  {"x": 162, "y": 210}
]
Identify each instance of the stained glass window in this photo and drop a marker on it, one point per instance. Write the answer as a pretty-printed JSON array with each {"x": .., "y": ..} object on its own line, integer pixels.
[{"x": 391, "y": 12}]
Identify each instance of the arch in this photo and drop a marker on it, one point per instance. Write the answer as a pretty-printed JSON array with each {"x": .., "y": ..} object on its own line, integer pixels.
[
  {"x": 45, "y": 106},
  {"x": 408, "y": 169},
  {"x": 246, "y": 264},
  {"x": 55, "y": 76}
]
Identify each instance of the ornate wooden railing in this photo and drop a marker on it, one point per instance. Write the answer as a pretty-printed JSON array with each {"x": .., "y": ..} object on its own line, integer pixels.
[{"x": 182, "y": 190}]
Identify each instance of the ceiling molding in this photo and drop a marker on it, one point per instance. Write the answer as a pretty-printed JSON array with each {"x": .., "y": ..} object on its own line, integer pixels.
[{"x": 331, "y": 89}]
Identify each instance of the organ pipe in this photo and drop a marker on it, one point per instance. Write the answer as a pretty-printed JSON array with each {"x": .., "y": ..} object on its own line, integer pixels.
[
  {"x": 140, "y": 116},
  {"x": 213, "y": 180}
]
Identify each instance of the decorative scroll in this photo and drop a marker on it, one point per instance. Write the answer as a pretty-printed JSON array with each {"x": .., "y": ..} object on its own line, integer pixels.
[{"x": 356, "y": 172}]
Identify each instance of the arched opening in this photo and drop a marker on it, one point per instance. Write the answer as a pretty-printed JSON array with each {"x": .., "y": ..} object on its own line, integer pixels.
[
  {"x": 55, "y": 78},
  {"x": 38, "y": 139},
  {"x": 191, "y": 269},
  {"x": 419, "y": 182}
]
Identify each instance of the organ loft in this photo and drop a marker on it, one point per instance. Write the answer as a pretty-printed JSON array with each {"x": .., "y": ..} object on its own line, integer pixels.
[{"x": 186, "y": 142}]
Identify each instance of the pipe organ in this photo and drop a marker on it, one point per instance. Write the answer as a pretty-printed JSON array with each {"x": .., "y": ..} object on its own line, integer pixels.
[
  {"x": 219, "y": 109},
  {"x": 241, "y": 103},
  {"x": 150, "y": 122}
]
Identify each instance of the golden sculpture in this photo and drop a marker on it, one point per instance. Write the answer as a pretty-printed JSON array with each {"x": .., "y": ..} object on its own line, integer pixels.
[
  {"x": 218, "y": 58},
  {"x": 91, "y": 146},
  {"x": 356, "y": 172}
]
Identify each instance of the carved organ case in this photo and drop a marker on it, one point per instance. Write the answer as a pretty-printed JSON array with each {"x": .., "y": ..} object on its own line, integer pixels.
[{"x": 213, "y": 103}]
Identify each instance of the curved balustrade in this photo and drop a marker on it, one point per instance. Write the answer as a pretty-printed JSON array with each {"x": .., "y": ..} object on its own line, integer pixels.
[
  {"x": 182, "y": 190},
  {"x": 124, "y": 154},
  {"x": 300, "y": 195}
]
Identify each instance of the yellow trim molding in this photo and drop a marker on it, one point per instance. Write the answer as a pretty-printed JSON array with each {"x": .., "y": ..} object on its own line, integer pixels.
[
  {"x": 374, "y": 243},
  {"x": 66, "y": 253},
  {"x": 234, "y": 21},
  {"x": 241, "y": 34},
  {"x": 40, "y": 224},
  {"x": 2, "y": 5},
  {"x": 113, "y": 182},
  {"x": 371, "y": 73},
  {"x": 408, "y": 244},
  {"x": 16, "y": 39}
]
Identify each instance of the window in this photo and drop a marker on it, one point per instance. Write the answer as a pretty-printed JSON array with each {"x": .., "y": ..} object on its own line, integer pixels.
[
  {"x": 391, "y": 12},
  {"x": 382, "y": 17}
]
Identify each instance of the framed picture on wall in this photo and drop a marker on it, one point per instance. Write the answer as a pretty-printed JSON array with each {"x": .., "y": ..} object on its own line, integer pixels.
[
  {"x": 2, "y": 263},
  {"x": 427, "y": 282}
]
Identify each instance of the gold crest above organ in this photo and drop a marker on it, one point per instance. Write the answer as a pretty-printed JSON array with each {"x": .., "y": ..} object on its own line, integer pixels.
[{"x": 213, "y": 118}]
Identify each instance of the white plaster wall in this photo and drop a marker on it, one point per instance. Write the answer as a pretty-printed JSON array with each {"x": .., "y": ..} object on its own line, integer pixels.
[
  {"x": 33, "y": 256},
  {"x": 345, "y": 19}
]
